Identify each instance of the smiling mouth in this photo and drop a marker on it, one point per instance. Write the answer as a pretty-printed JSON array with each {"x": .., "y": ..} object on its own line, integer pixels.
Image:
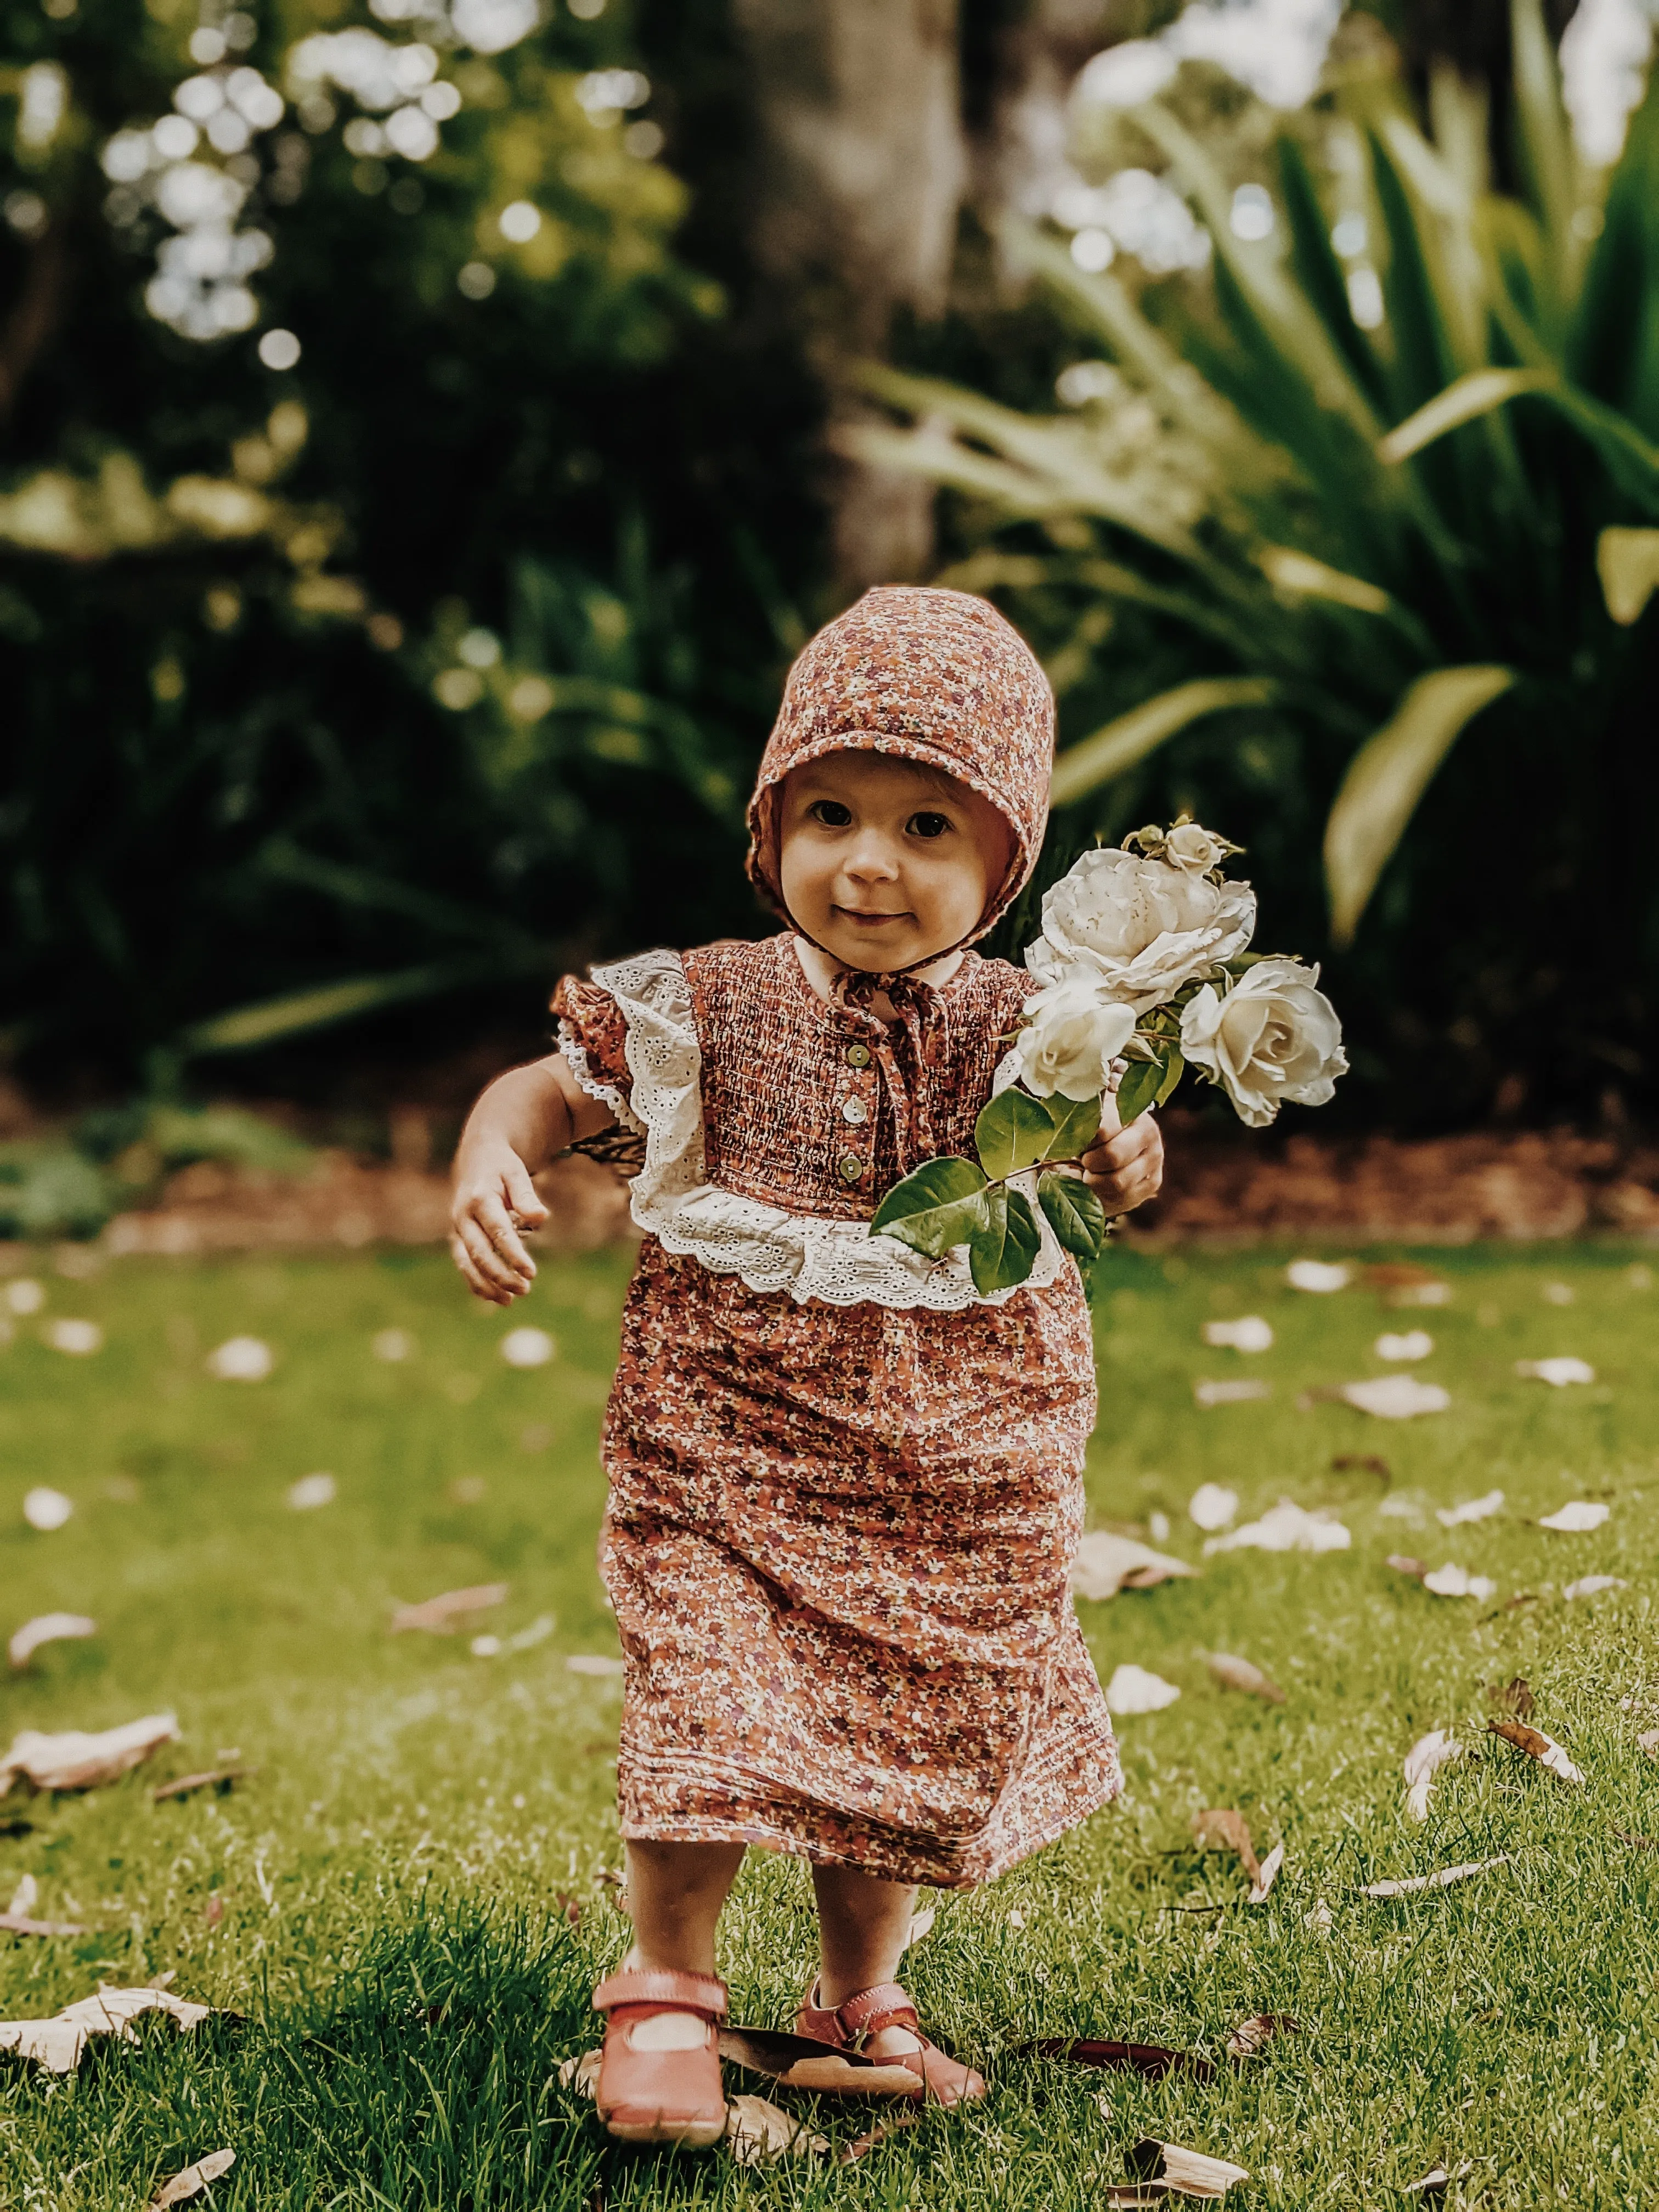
[{"x": 867, "y": 918}]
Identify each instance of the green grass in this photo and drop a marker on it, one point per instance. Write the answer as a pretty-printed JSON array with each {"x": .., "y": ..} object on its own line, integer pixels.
[{"x": 379, "y": 1902}]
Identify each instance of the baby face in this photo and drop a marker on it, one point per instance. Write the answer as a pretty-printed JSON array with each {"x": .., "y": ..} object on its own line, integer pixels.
[{"x": 885, "y": 864}]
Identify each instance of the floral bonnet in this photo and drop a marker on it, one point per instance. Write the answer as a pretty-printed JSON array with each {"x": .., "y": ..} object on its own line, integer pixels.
[{"x": 936, "y": 676}]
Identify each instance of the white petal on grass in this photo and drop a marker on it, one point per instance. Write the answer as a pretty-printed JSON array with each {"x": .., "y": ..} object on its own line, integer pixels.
[
  {"x": 46, "y": 1628},
  {"x": 1320, "y": 1920},
  {"x": 1267, "y": 1875},
  {"x": 1648, "y": 1743},
  {"x": 45, "y": 1509},
  {"x": 1536, "y": 1745},
  {"x": 1396, "y": 1397},
  {"x": 25, "y": 1296},
  {"x": 1476, "y": 1509},
  {"x": 1106, "y": 1564},
  {"x": 1237, "y": 1392},
  {"x": 1423, "y": 1761},
  {"x": 1444, "y": 1878},
  {"x": 1413, "y": 1344},
  {"x": 392, "y": 1345},
  {"x": 1212, "y": 1507},
  {"x": 1403, "y": 1505},
  {"x": 1593, "y": 1585},
  {"x": 1320, "y": 1276},
  {"x": 1249, "y": 1333},
  {"x": 1458, "y": 1581},
  {"x": 57, "y": 2044},
  {"x": 77, "y": 1760},
  {"x": 310, "y": 1491},
  {"x": 580, "y": 2076},
  {"x": 1287, "y": 1527},
  {"x": 193, "y": 2180},
  {"x": 527, "y": 1347},
  {"x": 1168, "y": 2169},
  {"x": 240, "y": 1359},
  {"x": 1575, "y": 1518},
  {"x": 1558, "y": 1373},
  {"x": 1133, "y": 1690},
  {"x": 77, "y": 1338},
  {"x": 1241, "y": 1675},
  {"x": 594, "y": 1662}
]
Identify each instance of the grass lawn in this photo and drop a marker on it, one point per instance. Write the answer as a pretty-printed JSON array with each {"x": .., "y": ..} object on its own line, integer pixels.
[{"x": 381, "y": 1901}]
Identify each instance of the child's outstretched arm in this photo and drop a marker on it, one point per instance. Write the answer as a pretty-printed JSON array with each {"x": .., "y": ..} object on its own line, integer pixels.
[
  {"x": 1126, "y": 1167},
  {"x": 519, "y": 1123}
]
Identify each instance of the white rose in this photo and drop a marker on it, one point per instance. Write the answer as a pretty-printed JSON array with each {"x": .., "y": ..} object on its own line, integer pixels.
[
  {"x": 1272, "y": 1037},
  {"x": 1074, "y": 1036},
  {"x": 1194, "y": 848},
  {"x": 1142, "y": 926}
]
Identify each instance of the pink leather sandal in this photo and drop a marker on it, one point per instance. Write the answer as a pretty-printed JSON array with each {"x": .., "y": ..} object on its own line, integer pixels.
[
  {"x": 661, "y": 2084},
  {"x": 865, "y": 2013}
]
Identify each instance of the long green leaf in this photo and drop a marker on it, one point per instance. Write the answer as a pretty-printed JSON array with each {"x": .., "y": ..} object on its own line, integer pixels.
[
  {"x": 1083, "y": 768},
  {"x": 1463, "y": 401},
  {"x": 1627, "y": 563},
  {"x": 1003, "y": 1252},
  {"x": 941, "y": 1205},
  {"x": 1388, "y": 776},
  {"x": 1075, "y": 1214},
  {"x": 271, "y": 1020},
  {"x": 1545, "y": 144}
]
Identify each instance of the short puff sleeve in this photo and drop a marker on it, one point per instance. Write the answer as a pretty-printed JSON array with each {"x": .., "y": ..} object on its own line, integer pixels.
[{"x": 593, "y": 1038}]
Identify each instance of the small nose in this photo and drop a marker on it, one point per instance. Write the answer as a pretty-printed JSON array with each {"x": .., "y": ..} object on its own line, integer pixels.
[{"x": 871, "y": 859}]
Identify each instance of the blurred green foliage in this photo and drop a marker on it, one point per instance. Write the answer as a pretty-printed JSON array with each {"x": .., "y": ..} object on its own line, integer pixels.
[
  {"x": 1347, "y": 545},
  {"x": 427, "y": 662}
]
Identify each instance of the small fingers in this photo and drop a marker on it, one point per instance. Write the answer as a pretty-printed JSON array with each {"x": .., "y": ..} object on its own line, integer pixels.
[
  {"x": 487, "y": 1254},
  {"x": 475, "y": 1282},
  {"x": 521, "y": 1197},
  {"x": 496, "y": 1223}
]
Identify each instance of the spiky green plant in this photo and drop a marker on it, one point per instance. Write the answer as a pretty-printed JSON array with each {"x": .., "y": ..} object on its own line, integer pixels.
[{"x": 1359, "y": 539}]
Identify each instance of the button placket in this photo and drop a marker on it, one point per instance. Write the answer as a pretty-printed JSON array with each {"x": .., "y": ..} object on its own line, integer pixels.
[{"x": 855, "y": 1107}]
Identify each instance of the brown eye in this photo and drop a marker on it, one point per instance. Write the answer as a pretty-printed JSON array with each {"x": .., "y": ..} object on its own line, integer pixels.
[
  {"x": 831, "y": 813},
  {"x": 929, "y": 825}
]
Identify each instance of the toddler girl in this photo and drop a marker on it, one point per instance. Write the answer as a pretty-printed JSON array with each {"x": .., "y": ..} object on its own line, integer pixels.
[{"x": 845, "y": 1489}]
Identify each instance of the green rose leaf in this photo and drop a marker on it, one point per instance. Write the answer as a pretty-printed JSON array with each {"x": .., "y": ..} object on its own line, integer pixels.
[
  {"x": 942, "y": 1204},
  {"x": 1003, "y": 1252},
  {"x": 1075, "y": 1214},
  {"x": 1077, "y": 1124},
  {"x": 1140, "y": 1088},
  {"x": 1176, "y": 1068},
  {"x": 1013, "y": 1132}
]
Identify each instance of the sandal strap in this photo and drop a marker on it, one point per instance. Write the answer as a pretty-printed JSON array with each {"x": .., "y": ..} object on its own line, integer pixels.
[
  {"x": 703, "y": 1994},
  {"x": 867, "y": 2012}
]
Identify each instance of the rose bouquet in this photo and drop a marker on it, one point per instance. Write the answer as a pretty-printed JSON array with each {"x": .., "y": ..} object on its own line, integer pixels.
[{"x": 1144, "y": 970}]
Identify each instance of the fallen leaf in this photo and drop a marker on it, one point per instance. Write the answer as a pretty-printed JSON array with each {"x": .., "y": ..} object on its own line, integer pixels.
[
  {"x": 756, "y": 2132},
  {"x": 1106, "y": 1564},
  {"x": 528, "y": 1347},
  {"x": 1261, "y": 1887},
  {"x": 193, "y": 2180},
  {"x": 800, "y": 2061},
  {"x": 1593, "y": 1585},
  {"x": 1441, "y": 1879},
  {"x": 580, "y": 2076},
  {"x": 1641, "y": 1843},
  {"x": 1133, "y": 1690},
  {"x": 1240, "y": 1675},
  {"x": 1249, "y": 1333},
  {"x": 1576, "y": 1519},
  {"x": 1186, "y": 2172},
  {"x": 1211, "y": 1506},
  {"x": 240, "y": 1359},
  {"x": 1236, "y": 1393},
  {"x": 46, "y": 1628},
  {"x": 1649, "y": 1742},
  {"x": 440, "y": 1615},
  {"x": 1253, "y": 2036},
  {"x": 1396, "y": 1397},
  {"x": 1287, "y": 1527},
  {"x": 569, "y": 1907},
  {"x": 57, "y": 2044},
  {"x": 1477, "y": 1508},
  {"x": 594, "y": 1662},
  {"x": 1363, "y": 1463},
  {"x": 214, "y": 1912},
  {"x": 861, "y": 2146},
  {"x": 1436, "y": 2181},
  {"x": 1515, "y": 1695},
  {"x": 1423, "y": 1761},
  {"x": 1412, "y": 1344},
  {"x": 215, "y": 1777},
  {"x": 79, "y": 1761},
  {"x": 1403, "y": 1564},
  {"x": 1458, "y": 1581},
  {"x": 1222, "y": 1829},
  {"x": 1152, "y": 2059},
  {"x": 1557, "y": 1372},
  {"x": 1538, "y": 1746},
  {"x": 45, "y": 1509},
  {"x": 1320, "y": 1276}
]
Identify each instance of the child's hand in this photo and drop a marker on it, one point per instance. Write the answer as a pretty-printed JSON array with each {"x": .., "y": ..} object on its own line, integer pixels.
[
  {"x": 1125, "y": 1168},
  {"x": 493, "y": 1199}
]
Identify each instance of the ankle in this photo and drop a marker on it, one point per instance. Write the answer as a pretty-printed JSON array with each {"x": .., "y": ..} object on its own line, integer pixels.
[{"x": 670, "y": 1958}]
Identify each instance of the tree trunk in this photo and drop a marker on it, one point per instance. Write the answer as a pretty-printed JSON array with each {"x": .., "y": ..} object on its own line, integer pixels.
[{"x": 863, "y": 171}]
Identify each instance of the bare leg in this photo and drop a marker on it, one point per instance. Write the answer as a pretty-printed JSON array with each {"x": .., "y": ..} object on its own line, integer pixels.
[
  {"x": 675, "y": 1892},
  {"x": 862, "y": 1925}
]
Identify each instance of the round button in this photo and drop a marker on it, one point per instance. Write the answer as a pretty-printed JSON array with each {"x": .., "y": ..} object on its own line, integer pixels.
[
  {"x": 854, "y": 1110},
  {"x": 858, "y": 1055},
  {"x": 852, "y": 1167}
]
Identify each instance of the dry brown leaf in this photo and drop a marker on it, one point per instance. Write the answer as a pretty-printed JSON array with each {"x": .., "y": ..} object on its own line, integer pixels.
[
  {"x": 77, "y": 1760},
  {"x": 861, "y": 2146},
  {"x": 57, "y": 2044},
  {"x": 1240, "y": 1675},
  {"x": 758, "y": 2132},
  {"x": 1538, "y": 1746},
  {"x": 1154, "y": 2060},
  {"x": 443, "y": 1614},
  {"x": 1221, "y": 1829},
  {"x": 46, "y": 1628},
  {"x": 1186, "y": 2173},
  {"x": 1253, "y": 2036},
  {"x": 1649, "y": 1742},
  {"x": 1436, "y": 2182},
  {"x": 1402, "y": 1563},
  {"x": 1106, "y": 1564},
  {"x": 580, "y": 2076},
  {"x": 1267, "y": 1875},
  {"x": 1443, "y": 1878},
  {"x": 1514, "y": 1696},
  {"x": 1641, "y": 1843},
  {"x": 1424, "y": 1759},
  {"x": 193, "y": 2180},
  {"x": 1396, "y": 1275},
  {"x": 801, "y": 2061},
  {"x": 215, "y": 1777}
]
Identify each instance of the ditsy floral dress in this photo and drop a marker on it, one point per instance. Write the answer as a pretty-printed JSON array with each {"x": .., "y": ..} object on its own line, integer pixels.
[{"x": 845, "y": 1490}]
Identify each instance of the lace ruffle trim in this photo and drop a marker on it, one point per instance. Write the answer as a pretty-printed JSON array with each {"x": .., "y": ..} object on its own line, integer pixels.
[
  {"x": 574, "y": 1057},
  {"x": 838, "y": 1262}
]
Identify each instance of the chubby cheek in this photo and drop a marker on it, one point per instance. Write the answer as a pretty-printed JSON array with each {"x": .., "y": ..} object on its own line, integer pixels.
[{"x": 806, "y": 878}]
